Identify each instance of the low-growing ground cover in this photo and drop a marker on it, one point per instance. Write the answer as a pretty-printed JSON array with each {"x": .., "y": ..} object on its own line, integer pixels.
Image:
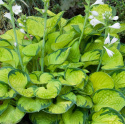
[{"x": 60, "y": 71}]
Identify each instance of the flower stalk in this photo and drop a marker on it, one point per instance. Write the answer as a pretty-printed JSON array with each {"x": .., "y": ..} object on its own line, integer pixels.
[{"x": 46, "y": 5}]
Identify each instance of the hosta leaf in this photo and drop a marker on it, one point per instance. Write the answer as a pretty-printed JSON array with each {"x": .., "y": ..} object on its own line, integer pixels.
[
  {"x": 59, "y": 107},
  {"x": 18, "y": 80},
  {"x": 74, "y": 116},
  {"x": 3, "y": 105},
  {"x": 65, "y": 90},
  {"x": 6, "y": 92},
  {"x": 4, "y": 74},
  {"x": 107, "y": 98},
  {"x": 77, "y": 20},
  {"x": 30, "y": 105},
  {"x": 12, "y": 115},
  {"x": 107, "y": 116},
  {"x": 114, "y": 62},
  {"x": 122, "y": 112},
  {"x": 74, "y": 54},
  {"x": 84, "y": 101},
  {"x": 31, "y": 50},
  {"x": 74, "y": 76},
  {"x": 69, "y": 96},
  {"x": 119, "y": 80},
  {"x": 44, "y": 118},
  {"x": 62, "y": 41},
  {"x": 45, "y": 78},
  {"x": 4, "y": 43},
  {"x": 58, "y": 57},
  {"x": 51, "y": 39},
  {"x": 51, "y": 90},
  {"x": 122, "y": 49},
  {"x": 101, "y": 80},
  {"x": 9, "y": 35}
]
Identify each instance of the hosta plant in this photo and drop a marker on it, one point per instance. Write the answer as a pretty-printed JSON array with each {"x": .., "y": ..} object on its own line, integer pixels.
[{"x": 60, "y": 71}]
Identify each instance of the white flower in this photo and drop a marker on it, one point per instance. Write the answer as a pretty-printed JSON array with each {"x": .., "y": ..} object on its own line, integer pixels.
[
  {"x": 113, "y": 40},
  {"x": 94, "y": 13},
  {"x": 24, "y": 20},
  {"x": 15, "y": 44},
  {"x": 115, "y": 18},
  {"x": 94, "y": 22},
  {"x": 98, "y": 2},
  {"x": 1, "y": 2},
  {"x": 116, "y": 26},
  {"x": 43, "y": 10},
  {"x": 109, "y": 52},
  {"x": 7, "y": 15},
  {"x": 91, "y": 17},
  {"x": 17, "y": 9},
  {"x": 20, "y": 24},
  {"x": 21, "y": 30},
  {"x": 107, "y": 40}
]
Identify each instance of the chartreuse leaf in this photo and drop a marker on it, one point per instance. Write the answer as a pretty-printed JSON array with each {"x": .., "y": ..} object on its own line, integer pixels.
[
  {"x": 74, "y": 76},
  {"x": 69, "y": 96},
  {"x": 3, "y": 105},
  {"x": 31, "y": 50},
  {"x": 4, "y": 43},
  {"x": 62, "y": 41},
  {"x": 101, "y": 9},
  {"x": 59, "y": 107},
  {"x": 11, "y": 115},
  {"x": 18, "y": 80},
  {"x": 122, "y": 49},
  {"x": 101, "y": 80},
  {"x": 114, "y": 62},
  {"x": 84, "y": 101},
  {"x": 34, "y": 78},
  {"x": 57, "y": 57},
  {"x": 74, "y": 116},
  {"x": 45, "y": 78},
  {"x": 74, "y": 55},
  {"x": 51, "y": 39},
  {"x": 107, "y": 98},
  {"x": 9, "y": 35},
  {"x": 30, "y": 105},
  {"x": 44, "y": 118},
  {"x": 119, "y": 80},
  {"x": 91, "y": 57},
  {"x": 6, "y": 92},
  {"x": 77, "y": 20},
  {"x": 65, "y": 90},
  {"x": 51, "y": 90},
  {"x": 107, "y": 116},
  {"x": 4, "y": 74}
]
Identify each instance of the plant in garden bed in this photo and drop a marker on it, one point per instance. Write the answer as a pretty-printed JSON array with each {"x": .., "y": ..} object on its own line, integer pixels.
[{"x": 70, "y": 72}]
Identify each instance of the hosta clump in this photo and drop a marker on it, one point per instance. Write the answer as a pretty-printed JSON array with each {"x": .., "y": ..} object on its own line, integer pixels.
[{"x": 62, "y": 71}]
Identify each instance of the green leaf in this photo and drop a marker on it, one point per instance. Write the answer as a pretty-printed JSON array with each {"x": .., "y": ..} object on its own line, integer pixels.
[
  {"x": 76, "y": 27},
  {"x": 44, "y": 118},
  {"x": 31, "y": 105},
  {"x": 18, "y": 80},
  {"x": 119, "y": 80},
  {"x": 4, "y": 71},
  {"x": 107, "y": 98},
  {"x": 74, "y": 54},
  {"x": 74, "y": 116},
  {"x": 84, "y": 101},
  {"x": 59, "y": 107},
  {"x": 69, "y": 96},
  {"x": 101, "y": 80},
  {"x": 9, "y": 36},
  {"x": 51, "y": 90},
  {"x": 122, "y": 49},
  {"x": 65, "y": 90},
  {"x": 57, "y": 57},
  {"x": 3, "y": 105},
  {"x": 4, "y": 43},
  {"x": 74, "y": 76},
  {"x": 31, "y": 50},
  {"x": 6, "y": 92},
  {"x": 114, "y": 62},
  {"x": 62, "y": 41},
  {"x": 107, "y": 116},
  {"x": 12, "y": 115}
]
